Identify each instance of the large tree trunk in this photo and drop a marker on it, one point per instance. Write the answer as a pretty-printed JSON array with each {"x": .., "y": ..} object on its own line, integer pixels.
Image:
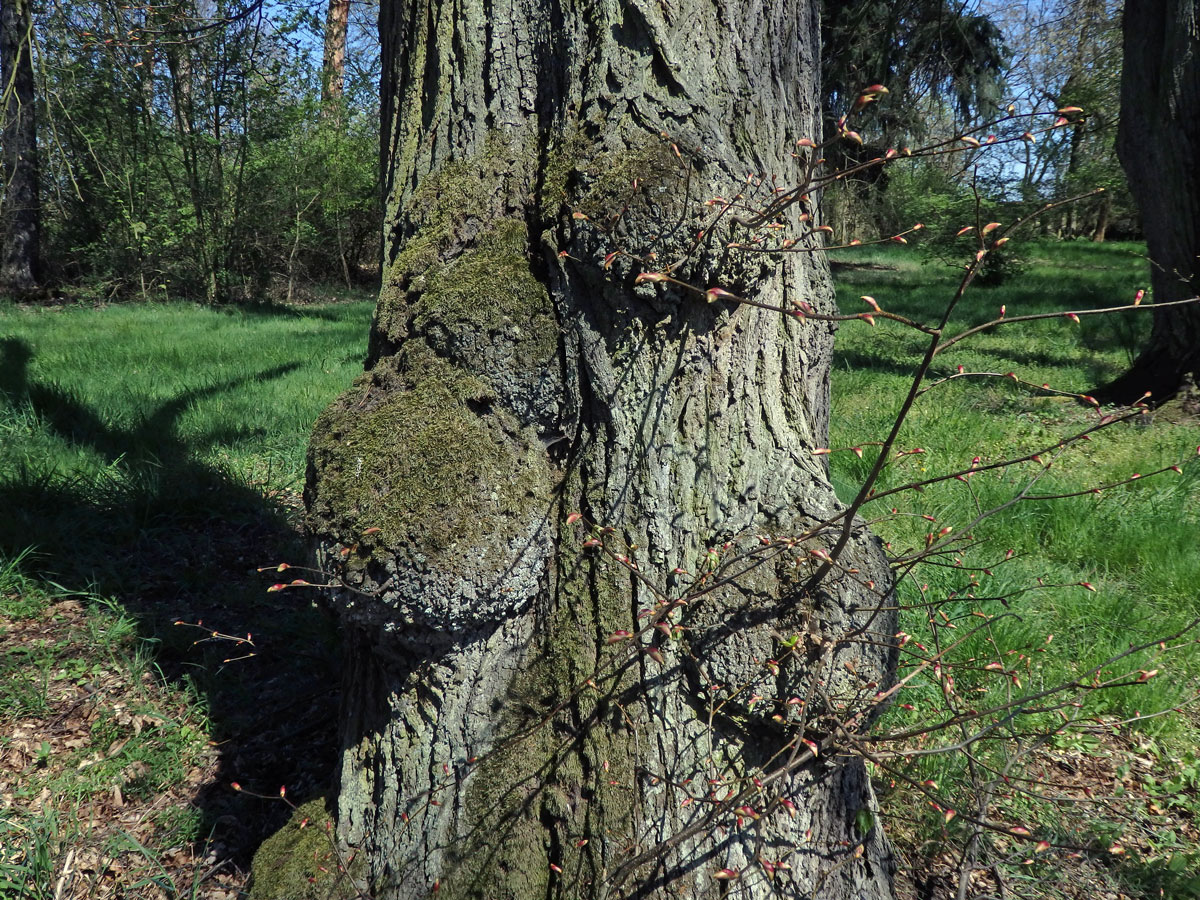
[
  {"x": 20, "y": 209},
  {"x": 494, "y": 742},
  {"x": 1159, "y": 146}
]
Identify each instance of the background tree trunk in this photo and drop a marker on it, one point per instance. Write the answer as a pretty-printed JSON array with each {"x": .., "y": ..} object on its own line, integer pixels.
[
  {"x": 333, "y": 72},
  {"x": 512, "y": 379},
  {"x": 21, "y": 210},
  {"x": 1159, "y": 146}
]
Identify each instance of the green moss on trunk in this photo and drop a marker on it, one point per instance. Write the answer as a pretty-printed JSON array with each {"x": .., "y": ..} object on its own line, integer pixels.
[
  {"x": 491, "y": 289},
  {"x": 423, "y": 466},
  {"x": 299, "y": 862},
  {"x": 555, "y": 796}
]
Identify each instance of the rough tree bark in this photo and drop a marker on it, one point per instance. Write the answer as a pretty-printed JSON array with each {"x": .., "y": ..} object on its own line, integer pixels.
[
  {"x": 333, "y": 70},
  {"x": 20, "y": 209},
  {"x": 513, "y": 378},
  {"x": 1159, "y": 146}
]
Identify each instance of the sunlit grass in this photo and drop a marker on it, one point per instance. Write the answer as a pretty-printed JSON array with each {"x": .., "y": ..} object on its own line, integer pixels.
[
  {"x": 1137, "y": 544},
  {"x": 85, "y": 387}
]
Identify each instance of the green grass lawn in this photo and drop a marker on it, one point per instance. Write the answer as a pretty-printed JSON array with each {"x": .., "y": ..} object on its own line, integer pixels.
[
  {"x": 151, "y": 458},
  {"x": 121, "y": 423},
  {"x": 1138, "y": 544}
]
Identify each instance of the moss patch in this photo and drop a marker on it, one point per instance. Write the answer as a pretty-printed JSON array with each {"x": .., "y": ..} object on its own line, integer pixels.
[
  {"x": 465, "y": 263},
  {"x": 452, "y": 201},
  {"x": 536, "y": 797},
  {"x": 298, "y": 862},
  {"x": 489, "y": 288},
  {"x": 422, "y": 465}
]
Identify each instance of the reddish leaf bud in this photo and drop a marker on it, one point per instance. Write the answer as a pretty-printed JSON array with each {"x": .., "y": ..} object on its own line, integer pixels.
[{"x": 716, "y": 293}]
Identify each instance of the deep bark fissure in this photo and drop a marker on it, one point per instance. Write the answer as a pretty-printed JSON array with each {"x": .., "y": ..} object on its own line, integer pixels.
[{"x": 476, "y": 754}]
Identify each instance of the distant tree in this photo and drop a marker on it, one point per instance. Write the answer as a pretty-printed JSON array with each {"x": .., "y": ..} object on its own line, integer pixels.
[
  {"x": 918, "y": 49},
  {"x": 333, "y": 70},
  {"x": 943, "y": 62},
  {"x": 1068, "y": 53},
  {"x": 1159, "y": 145},
  {"x": 194, "y": 154},
  {"x": 20, "y": 216},
  {"x": 1087, "y": 47}
]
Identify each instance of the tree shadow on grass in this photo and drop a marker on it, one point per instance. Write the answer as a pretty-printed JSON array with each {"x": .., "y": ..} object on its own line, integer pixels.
[
  {"x": 266, "y": 310},
  {"x": 172, "y": 537}
]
